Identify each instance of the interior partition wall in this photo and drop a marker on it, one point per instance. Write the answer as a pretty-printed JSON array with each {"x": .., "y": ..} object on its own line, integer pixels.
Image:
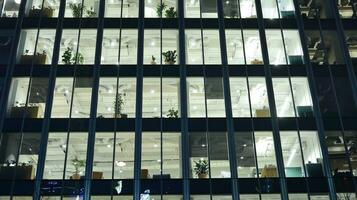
[{"x": 168, "y": 99}]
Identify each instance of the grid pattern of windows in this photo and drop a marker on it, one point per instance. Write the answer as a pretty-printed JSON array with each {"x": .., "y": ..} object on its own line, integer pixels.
[{"x": 169, "y": 99}]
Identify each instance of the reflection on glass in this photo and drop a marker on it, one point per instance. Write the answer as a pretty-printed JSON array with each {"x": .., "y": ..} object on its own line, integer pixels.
[
  {"x": 82, "y": 9},
  {"x": 122, "y": 8},
  {"x": 199, "y": 8},
  {"x": 245, "y": 154},
  {"x": 28, "y": 99},
  {"x": 259, "y": 97},
  {"x": 71, "y": 147},
  {"x": 36, "y": 50},
  {"x": 210, "y": 46},
  {"x": 19, "y": 155},
  {"x": 231, "y": 9},
  {"x": 116, "y": 99},
  {"x": 9, "y": 8},
  {"x": 165, "y": 53},
  {"x": 42, "y": 8},
  {"x": 117, "y": 42},
  {"x": 160, "y": 8},
  {"x": 72, "y": 53},
  {"x": 161, "y": 154},
  {"x": 265, "y": 152},
  {"x": 209, "y": 155},
  {"x": 239, "y": 97},
  {"x": 270, "y": 9}
]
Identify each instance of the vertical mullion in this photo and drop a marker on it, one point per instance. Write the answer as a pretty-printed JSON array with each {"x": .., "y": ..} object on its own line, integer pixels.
[
  {"x": 346, "y": 54},
  {"x": 273, "y": 113},
  {"x": 49, "y": 103},
  {"x": 316, "y": 106},
  {"x": 139, "y": 101},
  {"x": 228, "y": 104},
  {"x": 11, "y": 64},
  {"x": 94, "y": 104},
  {"x": 183, "y": 102}
]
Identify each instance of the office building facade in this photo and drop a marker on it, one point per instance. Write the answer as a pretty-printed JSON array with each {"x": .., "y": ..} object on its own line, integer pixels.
[{"x": 178, "y": 99}]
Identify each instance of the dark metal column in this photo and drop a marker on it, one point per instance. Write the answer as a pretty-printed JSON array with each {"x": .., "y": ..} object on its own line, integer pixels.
[
  {"x": 49, "y": 103},
  {"x": 139, "y": 102},
  {"x": 94, "y": 103},
  {"x": 183, "y": 104},
  {"x": 273, "y": 113},
  {"x": 228, "y": 104},
  {"x": 316, "y": 106}
]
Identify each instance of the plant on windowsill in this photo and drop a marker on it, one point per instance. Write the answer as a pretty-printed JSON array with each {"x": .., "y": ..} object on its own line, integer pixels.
[
  {"x": 160, "y": 8},
  {"x": 38, "y": 58},
  {"x": 172, "y": 113},
  {"x": 170, "y": 57},
  {"x": 38, "y": 12},
  {"x": 77, "y": 9},
  {"x": 69, "y": 59},
  {"x": 201, "y": 168},
  {"x": 78, "y": 165},
  {"x": 171, "y": 13},
  {"x": 91, "y": 13},
  {"x": 153, "y": 60},
  {"x": 118, "y": 106}
]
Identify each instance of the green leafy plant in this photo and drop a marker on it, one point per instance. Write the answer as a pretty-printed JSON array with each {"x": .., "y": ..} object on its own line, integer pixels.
[
  {"x": 78, "y": 165},
  {"x": 160, "y": 8},
  {"x": 172, "y": 113},
  {"x": 171, "y": 13},
  {"x": 77, "y": 58},
  {"x": 118, "y": 104},
  {"x": 201, "y": 167},
  {"x": 77, "y": 9},
  {"x": 91, "y": 13},
  {"x": 69, "y": 58},
  {"x": 67, "y": 55},
  {"x": 170, "y": 57}
]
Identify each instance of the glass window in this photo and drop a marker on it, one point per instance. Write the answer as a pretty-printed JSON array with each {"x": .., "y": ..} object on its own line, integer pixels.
[
  {"x": 205, "y": 94},
  {"x": 351, "y": 142},
  {"x": 310, "y": 145},
  {"x": 292, "y": 154},
  {"x": 162, "y": 49},
  {"x": 123, "y": 42},
  {"x": 70, "y": 147},
  {"x": 258, "y": 97},
  {"x": 209, "y": 155},
  {"x": 160, "y": 8},
  {"x": 76, "y": 101},
  {"x": 157, "y": 97},
  {"x": 265, "y": 151},
  {"x": 337, "y": 153},
  {"x": 232, "y": 9},
  {"x": 19, "y": 155},
  {"x": 121, "y": 9},
  {"x": 82, "y": 9},
  {"x": 161, "y": 155},
  {"x": 106, "y": 145},
  {"x": 239, "y": 96},
  {"x": 206, "y": 53},
  {"x": 36, "y": 46},
  {"x": 270, "y": 9},
  {"x": 6, "y": 39},
  {"x": 72, "y": 53},
  {"x": 276, "y": 48},
  {"x": 42, "y": 8},
  {"x": 245, "y": 154},
  {"x": 9, "y": 8},
  {"x": 198, "y": 9},
  {"x": 27, "y": 98},
  {"x": 123, "y": 90}
]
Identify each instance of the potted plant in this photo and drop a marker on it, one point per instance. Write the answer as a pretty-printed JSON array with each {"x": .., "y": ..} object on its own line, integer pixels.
[
  {"x": 77, "y": 9},
  {"x": 77, "y": 164},
  {"x": 38, "y": 58},
  {"x": 38, "y": 12},
  {"x": 201, "y": 168},
  {"x": 170, "y": 57},
  {"x": 118, "y": 106},
  {"x": 153, "y": 60},
  {"x": 69, "y": 59},
  {"x": 91, "y": 13},
  {"x": 160, "y": 8},
  {"x": 172, "y": 113},
  {"x": 171, "y": 13}
]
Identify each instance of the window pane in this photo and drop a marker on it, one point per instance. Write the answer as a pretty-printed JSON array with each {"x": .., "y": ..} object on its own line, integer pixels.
[
  {"x": 283, "y": 97},
  {"x": 196, "y": 97},
  {"x": 312, "y": 153},
  {"x": 124, "y": 155},
  {"x": 239, "y": 96},
  {"x": 121, "y": 9},
  {"x": 126, "y": 40},
  {"x": 215, "y": 97},
  {"x": 103, "y": 156},
  {"x": 197, "y": 8},
  {"x": 302, "y": 97},
  {"x": 76, "y": 155},
  {"x": 168, "y": 9},
  {"x": 259, "y": 97},
  {"x": 232, "y": 8},
  {"x": 84, "y": 8},
  {"x": 275, "y": 47},
  {"x": 245, "y": 155},
  {"x": 266, "y": 154},
  {"x": 82, "y": 97},
  {"x": 39, "y": 8},
  {"x": 62, "y": 98},
  {"x": 253, "y": 51},
  {"x": 292, "y": 155},
  {"x": 193, "y": 47},
  {"x": 211, "y": 47},
  {"x": 235, "y": 50}
]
